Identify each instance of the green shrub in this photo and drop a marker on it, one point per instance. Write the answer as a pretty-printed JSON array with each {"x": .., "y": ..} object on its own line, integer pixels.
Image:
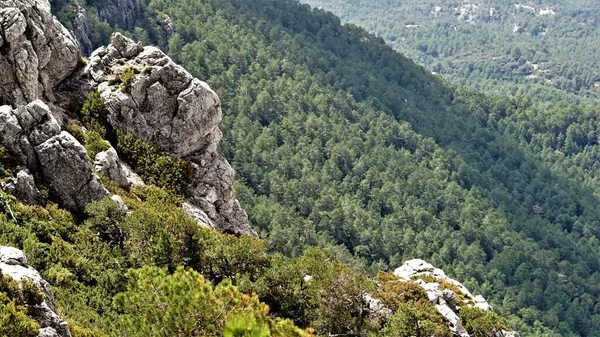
[
  {"x": 154, "y": 166},
  {"x": 7, "y": 163},
  {"x": 480, "y": 323},
  {"x": 94, "y": 144},
  {"x": 94, "y": 113},
  {"x": 76, "y": 131},
  {"x": 127, "y": 78}
]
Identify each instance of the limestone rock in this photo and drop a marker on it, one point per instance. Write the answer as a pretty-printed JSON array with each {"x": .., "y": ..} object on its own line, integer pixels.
[
  {"x": 376, "y": 308},
  {"x": 198, "y": 214},
  {"x": 25, "y": 127},
  {"x": 66, "y": 168},
  {"x": 445, "y": 300},
  {"x": 82, "y": 32},
  {"x": 167, "y": 107},
  {"x": 108, "y": 163},
  {"x": 14, "y": 264},
  {"x": 36, "y": 53},
  {"x": 24, "y": 188},
  {"x": 120, "y": 12}
]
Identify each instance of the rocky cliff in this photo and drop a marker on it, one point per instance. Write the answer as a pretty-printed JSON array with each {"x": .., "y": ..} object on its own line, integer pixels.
[{"x": 162, "y": 105}]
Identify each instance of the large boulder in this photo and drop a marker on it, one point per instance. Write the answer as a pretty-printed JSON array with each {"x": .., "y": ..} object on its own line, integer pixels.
[
  {"x": 68, "y": 171},
  {"x": 36, "y": 52},
  {"x": 13, "y": 263},
  {"x": 166, "y": 106},
  {"x": 108, "y": 163}
]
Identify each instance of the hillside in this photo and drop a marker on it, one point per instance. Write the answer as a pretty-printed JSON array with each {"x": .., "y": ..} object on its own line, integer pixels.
[
  {"x": 340, "y": 142},
  {"x": 545, "y": 50},
  {"x": 118, "y": 216}
]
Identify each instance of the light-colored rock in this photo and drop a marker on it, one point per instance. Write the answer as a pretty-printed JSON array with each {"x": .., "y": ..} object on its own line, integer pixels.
[
  {"x": 37, "y": 53},
  {"x": 175, "y": 112},
  {"x": 198, "y": 214},
  {"x": 14, "y": 264},
  {"x": 376, "y": 308},
  {"x": 120, "y": 12},
  {"x": 24, "y": 188},
  {"x": 453, "y": 320},
  {"x": 25, "y": 127},
  {"x": 12, "y": 256},
  {"x": 482, "y": 304},
  {"x": 82, "y": 32},
  {"x": 123, "y": 209},
  {"x": 445, "y": 300},
  {"x": 108, "y": 163},
  {"x": 65, "y": 166}
]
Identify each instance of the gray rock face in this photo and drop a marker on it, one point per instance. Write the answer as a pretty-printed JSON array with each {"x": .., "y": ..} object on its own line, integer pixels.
[
  {"x": 445, "y": 300},
  {"x": 36, "y": 51},
  {"x": 14, "y": 264},
  {"x": 23, "y": 188},
  {"x": 33, "y": 133},
  {"x": 67, "y": 170},
  {"x": 82, "y": 32},
  {"x": 120, "y": 12},
  {"x": 177, "y": 113},
  {"x": 108, "y": 163}
]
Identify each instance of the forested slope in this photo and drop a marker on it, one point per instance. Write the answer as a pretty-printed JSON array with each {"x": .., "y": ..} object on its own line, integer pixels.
[
  {"x": 339, "y": 141},
  {"x": 541, "y": 49}
]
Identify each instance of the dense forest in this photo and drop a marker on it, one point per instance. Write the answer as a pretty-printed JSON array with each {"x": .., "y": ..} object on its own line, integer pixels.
[
  {"x": 542, "y": 49},
  {"x": 342, "y": 143}
]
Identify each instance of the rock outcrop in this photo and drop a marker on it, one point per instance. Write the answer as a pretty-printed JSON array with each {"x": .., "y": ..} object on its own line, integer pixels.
[
  {"x": 66, "y": 168},
  {"x": 32, "y": 132},
  {"x": 166, "y": 106},
  {"x": 108, "y": 163},
  {"x": 444, "y": 300},
  {"x": 13, "y": 263},
  {"x": 36, "y": 52},
  {"x": 24, "y": 188}
]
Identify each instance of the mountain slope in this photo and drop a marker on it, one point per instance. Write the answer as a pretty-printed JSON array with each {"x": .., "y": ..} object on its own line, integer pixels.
[
  {"x": 130, "y": 259},
  {"x": 339, "y": 140},
  {"x": 543, "y": 49}
]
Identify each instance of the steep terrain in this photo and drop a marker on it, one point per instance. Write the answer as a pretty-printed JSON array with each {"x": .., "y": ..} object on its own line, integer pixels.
[
  {"x": 338, "y": 141},
  {"x": 112, "y": 185}
]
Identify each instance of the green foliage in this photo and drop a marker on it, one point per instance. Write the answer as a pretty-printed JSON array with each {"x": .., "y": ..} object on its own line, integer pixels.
[
  {"x": 185, "y": 304},
  {"x": 479, "y": 323},
  {"x": 393, "y": 292},
  {"x": 460, "y": 297},
  {"x": 7, "y": 163},
  {"x": 94, "y": 143},
  {"x": 126, "y": 78},
  {"x": 546, "y": 56},
  {"x": 155, "y": 167},
  {"x": 76, "y": 131},
  {"x": 16, "y": 299},
  {"x": 416, "y": 320},
  {"x": 94, "y": 113}
]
